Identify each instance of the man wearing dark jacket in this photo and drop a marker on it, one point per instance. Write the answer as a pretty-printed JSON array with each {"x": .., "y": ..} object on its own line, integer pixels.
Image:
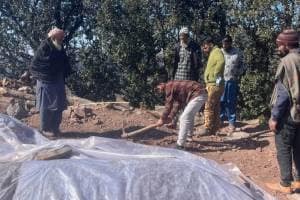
[
  {"x": 186, "y": 62},
  {"x": 187, "y": 58},
  {"x": 285, "y": 113},
  {"x": 50, "y": 66}
]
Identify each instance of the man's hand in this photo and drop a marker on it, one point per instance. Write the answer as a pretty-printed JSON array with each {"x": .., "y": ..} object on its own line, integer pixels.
[
  {"x": 25, "y": 77},
  {"x": 218, "y": 81},
  {"x": 171, "y": 125},
  {"x": 161, "y": 121},
  {"x": 272, "y": 124}
]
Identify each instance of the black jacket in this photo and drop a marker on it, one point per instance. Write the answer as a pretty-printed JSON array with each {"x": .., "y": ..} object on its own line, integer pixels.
[
  {"x": 48, "y": 63},
  {"x": 196, "y": 58}
]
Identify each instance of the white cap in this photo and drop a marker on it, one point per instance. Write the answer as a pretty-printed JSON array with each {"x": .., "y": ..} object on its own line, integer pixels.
[{"x": 184, "y": 30}]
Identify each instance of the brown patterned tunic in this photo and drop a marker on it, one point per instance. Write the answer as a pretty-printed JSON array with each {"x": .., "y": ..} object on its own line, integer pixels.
[{"x": 178, "y": 94}]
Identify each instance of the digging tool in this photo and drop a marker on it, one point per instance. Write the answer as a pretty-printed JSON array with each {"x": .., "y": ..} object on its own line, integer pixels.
[
  {"x": 257, "y": 134},
  {"x": 126, "y": 135}
]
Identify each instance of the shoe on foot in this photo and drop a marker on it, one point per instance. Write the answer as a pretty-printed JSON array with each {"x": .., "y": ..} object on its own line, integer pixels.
[
  {"x": 48, "y": 133},
  {"x": 279, "y": 188},
  {"x": 57, "y": 133},
  {"x": 203, "y": 132},
  {"x": 296, "y": 185},
  {"x": 222, "y": 124},
  {"x": 179, "y": 147},
  {"x": 189, "y": 138},
  {"x": 230, "y": 128}
]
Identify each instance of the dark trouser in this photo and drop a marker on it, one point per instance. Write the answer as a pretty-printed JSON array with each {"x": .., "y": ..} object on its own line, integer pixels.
[
  {"x": 50, "y": 120},
  {"x": 228, "y": 102},
  {"x": 287, "y": 141}
]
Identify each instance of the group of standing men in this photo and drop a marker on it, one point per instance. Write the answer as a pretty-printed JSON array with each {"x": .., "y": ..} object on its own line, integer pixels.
[
  {"x": 222, "y": 72},
  {"x": 50, "y": 66},
  {"x": 219, "y": 94}
]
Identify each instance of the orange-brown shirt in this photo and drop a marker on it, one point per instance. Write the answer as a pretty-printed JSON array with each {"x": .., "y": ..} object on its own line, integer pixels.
[{"x": 178, "y": 94}]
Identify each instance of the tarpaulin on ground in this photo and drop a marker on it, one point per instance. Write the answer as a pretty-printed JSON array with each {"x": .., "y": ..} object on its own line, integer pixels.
[{"x": 103, "y": 168}]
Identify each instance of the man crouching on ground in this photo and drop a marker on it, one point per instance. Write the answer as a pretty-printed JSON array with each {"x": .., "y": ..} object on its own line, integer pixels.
[{"x": 187, "y": 95}]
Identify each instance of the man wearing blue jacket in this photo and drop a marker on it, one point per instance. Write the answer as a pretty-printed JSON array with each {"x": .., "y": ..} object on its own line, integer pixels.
[{"x": 285, "y": 113}]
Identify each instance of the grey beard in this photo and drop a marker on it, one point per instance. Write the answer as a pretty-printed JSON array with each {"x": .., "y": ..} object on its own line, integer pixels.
[
  {"x": 57, "y": 46},
  {"x": 183, "y": 44}
]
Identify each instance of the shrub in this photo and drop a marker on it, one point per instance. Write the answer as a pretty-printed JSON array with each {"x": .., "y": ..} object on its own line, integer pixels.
[{"x": 255, "y": 93}]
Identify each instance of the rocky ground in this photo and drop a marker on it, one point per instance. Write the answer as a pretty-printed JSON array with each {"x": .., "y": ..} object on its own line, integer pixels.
[{"x": 254, "y": 156}]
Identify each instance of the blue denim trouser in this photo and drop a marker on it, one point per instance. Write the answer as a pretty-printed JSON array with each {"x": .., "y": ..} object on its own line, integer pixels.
[{"x": 228, "y": 102}]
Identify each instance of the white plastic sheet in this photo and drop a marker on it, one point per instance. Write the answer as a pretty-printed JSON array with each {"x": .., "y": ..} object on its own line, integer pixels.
[{"x": 110, "y": 169}]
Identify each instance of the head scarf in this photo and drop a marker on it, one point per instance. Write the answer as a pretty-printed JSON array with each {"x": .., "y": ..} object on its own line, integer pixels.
[
  {"x": 288, "y": 37},
  {"x": 184, "y": 30}
]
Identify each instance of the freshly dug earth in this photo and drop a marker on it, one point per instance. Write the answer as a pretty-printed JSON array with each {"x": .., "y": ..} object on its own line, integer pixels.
[{"x": 255, "y": 157}]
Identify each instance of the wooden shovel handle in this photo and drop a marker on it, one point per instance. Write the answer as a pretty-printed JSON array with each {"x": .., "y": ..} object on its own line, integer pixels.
[{"x": 126, "y": 135}]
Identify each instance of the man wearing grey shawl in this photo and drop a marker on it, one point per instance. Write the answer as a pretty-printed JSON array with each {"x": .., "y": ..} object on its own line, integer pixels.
[{"x": 285, "y": 112}]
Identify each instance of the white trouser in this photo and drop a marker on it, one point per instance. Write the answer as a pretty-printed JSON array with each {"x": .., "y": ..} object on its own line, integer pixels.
[{"x": 186, "y": 120}]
